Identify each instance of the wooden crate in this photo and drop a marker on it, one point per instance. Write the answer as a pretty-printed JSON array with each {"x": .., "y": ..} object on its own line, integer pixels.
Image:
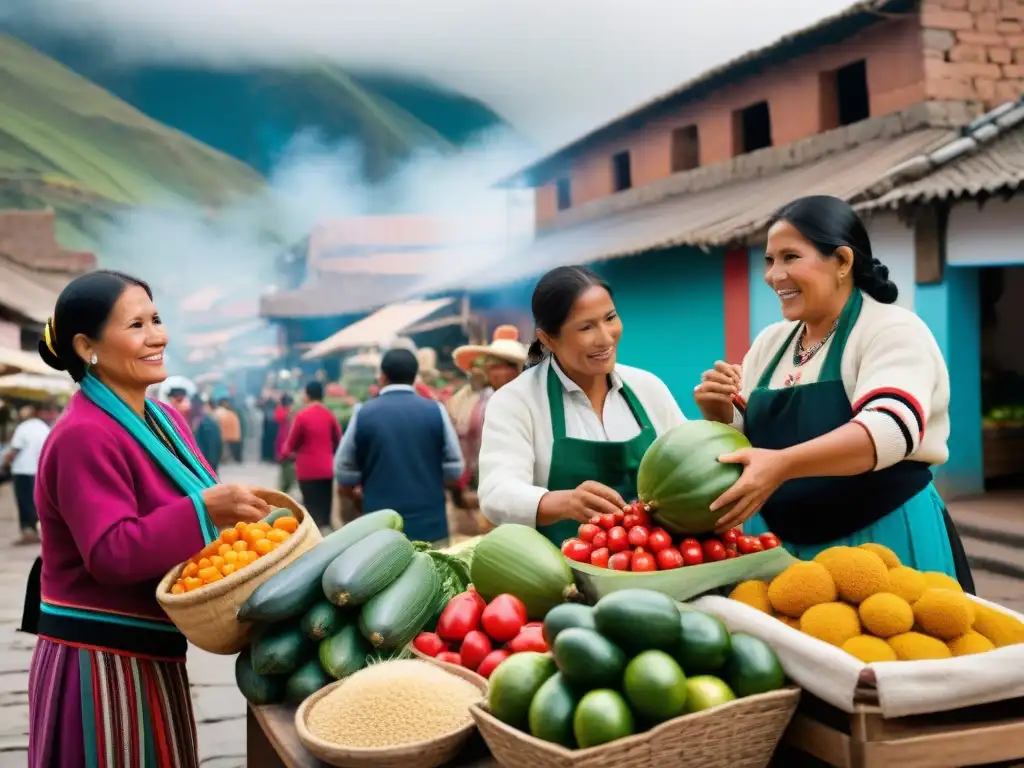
[{"x": 992, "y": 733}]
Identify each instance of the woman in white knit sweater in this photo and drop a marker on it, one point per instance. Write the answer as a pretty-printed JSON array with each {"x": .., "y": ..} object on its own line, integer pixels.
[
  {"x": 563, "y": 441},
  {"x": 846, "y": 403}
]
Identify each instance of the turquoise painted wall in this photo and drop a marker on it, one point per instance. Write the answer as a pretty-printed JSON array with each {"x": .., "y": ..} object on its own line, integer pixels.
[
  {"x": 765, "y": 307},
  {"x": 951, "y": 310},
  {"x": 673, "y": 312}
]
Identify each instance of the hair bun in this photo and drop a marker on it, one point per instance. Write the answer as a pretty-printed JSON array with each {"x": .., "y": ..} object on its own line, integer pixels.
[
  {"x": 49, "y": 358},
  {"x": 880, "y": 271}
]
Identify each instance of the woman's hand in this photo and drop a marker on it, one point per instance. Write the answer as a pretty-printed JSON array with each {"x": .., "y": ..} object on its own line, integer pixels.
[
  {"x": 763, "y": 472},
  {"x": 230, "y": 503},
  {"x": 716, "y": 390},
  {"x": 580, "y": 504}
]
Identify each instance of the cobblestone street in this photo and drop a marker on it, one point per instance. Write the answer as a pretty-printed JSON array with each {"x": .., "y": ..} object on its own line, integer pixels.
[{"x": 993, "y": 527}]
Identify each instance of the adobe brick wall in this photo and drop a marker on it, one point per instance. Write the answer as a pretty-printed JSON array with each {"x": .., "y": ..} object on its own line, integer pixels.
[{"x": 973, "y": 49}]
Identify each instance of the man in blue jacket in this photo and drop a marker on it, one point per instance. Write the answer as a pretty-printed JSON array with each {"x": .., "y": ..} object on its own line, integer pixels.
[{"x": 403, "y": 451}]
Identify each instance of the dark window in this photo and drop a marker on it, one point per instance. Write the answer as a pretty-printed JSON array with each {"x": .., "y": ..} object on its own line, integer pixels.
[
  {"x": 752, "y": 128},
  {"x": 685, "y": 149},
  {"x": 844, "y": 96},
  {"x": 622, "y": 174},
  {"x": 563, "y": 193}
]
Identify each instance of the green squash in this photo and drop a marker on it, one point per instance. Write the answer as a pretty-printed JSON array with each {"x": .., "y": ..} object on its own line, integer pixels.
[{"x": 680, "y": 475}]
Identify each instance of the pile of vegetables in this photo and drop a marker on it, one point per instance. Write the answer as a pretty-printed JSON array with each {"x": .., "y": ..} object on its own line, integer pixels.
[
  {"x": 479, "y": 635},
  {"x": 357, "y": 597},
  {"x": 627, "y": 541},
  {"x": 629, "y": 663},
  {"x": 864, "y": 601}
]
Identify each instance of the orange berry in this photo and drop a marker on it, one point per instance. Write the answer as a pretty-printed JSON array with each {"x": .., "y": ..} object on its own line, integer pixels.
[
  {"x": 191, "y": 569},
  {"x": 223, "y": 549},
  {"x": 240, "y": 526},
  {"x": 288, "y": 524},
  {"x": 263, "y": 526},
  {"x": 215, "y": 576},
  {"x": 206, "y": 573},
  {"x": 241, "y": 546},
  {"x": 264, "y": 546},
  {"x": 217, "y": 561},
  {"x": 231, "y": 557},
  {"x": 229, "y": 536},
  {"x": 193, "y": 582},
  {"x": 277, "y": 535},
  {"x": 204, "y": 563},
  {"x": 178, "y": 589},
  {"x": 251, "y": 556},
  {"x": 254, "y": 534},
  {"x": 227, "y": 569}
]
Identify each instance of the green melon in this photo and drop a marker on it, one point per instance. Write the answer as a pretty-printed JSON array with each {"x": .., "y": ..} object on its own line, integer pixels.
[{"x": 680, "y": 475}]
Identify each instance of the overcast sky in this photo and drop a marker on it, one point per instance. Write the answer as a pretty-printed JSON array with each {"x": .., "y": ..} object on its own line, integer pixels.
[{"x": 554, "y": 68}]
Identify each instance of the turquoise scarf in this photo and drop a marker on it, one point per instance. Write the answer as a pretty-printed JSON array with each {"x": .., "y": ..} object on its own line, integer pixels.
[{"x": 192, "y": 479}]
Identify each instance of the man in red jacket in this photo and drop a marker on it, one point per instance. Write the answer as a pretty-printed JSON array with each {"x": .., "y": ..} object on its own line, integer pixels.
[{"x": 312, "y": 440}]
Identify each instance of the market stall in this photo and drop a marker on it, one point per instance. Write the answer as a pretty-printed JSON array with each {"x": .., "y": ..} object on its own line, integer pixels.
[{"x": 644, "y": 640}]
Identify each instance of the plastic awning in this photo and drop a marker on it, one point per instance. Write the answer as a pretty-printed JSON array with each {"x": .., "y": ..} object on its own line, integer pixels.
[
  {"x": 378, "y": 329},
  {"x": 19, "y": 361}
]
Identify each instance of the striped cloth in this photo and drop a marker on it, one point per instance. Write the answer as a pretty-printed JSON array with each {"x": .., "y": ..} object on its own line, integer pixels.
[{"x": 97, "y": 709}]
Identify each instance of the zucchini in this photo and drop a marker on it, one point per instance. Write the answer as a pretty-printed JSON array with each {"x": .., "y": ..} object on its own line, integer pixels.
[
  {"x": 344, "y": 652},
  {"x": 393, "y": 617},
  {"x": 359, "y": 573},
  {"x": 277, "y": 514},
  {"x": 321, "y": 620},
  {"x": 305, "y": 681},
  {"x": 280, "y": 650},
  {"x": 257, "y": 689},
  {"x": 293, "y": 590}
]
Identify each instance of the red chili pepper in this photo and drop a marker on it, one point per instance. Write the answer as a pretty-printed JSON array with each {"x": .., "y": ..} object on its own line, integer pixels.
[
  {"x": 429, "y": 643},
  {"x": 460, "y": 617}
]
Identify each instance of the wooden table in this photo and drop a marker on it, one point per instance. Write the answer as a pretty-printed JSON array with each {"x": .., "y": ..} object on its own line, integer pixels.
[{"x": 271, "y": 742}]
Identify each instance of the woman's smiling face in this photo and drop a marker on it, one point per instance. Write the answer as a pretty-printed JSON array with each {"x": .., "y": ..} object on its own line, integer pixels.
[
  {"x": 587, "y": 341},
  {"x": 808, "y": 284}
]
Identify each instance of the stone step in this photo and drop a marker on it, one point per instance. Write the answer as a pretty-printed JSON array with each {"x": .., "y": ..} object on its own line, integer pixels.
[{"x": 995, "y": 557}]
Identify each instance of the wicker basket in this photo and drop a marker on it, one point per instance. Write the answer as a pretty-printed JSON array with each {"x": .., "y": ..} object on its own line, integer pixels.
[
  {"x": 207, "y": 616},
  {"x": 741, "y": 734},
  {"x": 422, "y": 754}
]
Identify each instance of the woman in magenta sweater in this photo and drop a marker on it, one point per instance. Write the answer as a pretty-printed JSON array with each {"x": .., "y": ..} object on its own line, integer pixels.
[{"x": 123, "y": 495}]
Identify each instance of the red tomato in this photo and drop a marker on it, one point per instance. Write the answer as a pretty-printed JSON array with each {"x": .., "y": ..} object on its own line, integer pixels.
[
  {"x": 638, "y": 536},
  {"x": 730, "y": 536},
  {"x": 451, "y": 657},
  {"x": 643, "y": 561},
  {"x": 588, "y": 531},
  {"x": 474, "y": 649},
  {"x": 460, "y": 617},
  {"x": 769, "y": 540},
  {"x": 600, "y": 540},
  {"x": 429, "y": 643},
  {"x": 669, "y": 558},
  {"x": 608, "y": 521},
  {"x": 620, "y": 561},
  {"x": 692, "y": 554},
  {"x": 658, "y": 539},
  {"x": 599, "y": 557},
  {"x": 595, "y": 520},
  {"x": 630, "y": 520},
  {"x": 530, "y": 639},
  {"x": 748, "y": 545},
  {"x": 471, "y": 592},
  {"x": 714, "y": 550},
  {"x": 576, "y": 550},
  {"x": 504, "y": 617},
  {"x": 618, "y": 539},
  {"x": 689, "y": 541},
  {"x": 492, "y": 660},
  {"x": 635, "y": 507},
  {"x": 730, "y": 553}
]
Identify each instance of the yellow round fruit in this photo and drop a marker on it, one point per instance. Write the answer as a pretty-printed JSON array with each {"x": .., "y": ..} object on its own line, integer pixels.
[
  {"x": 753, "y": 593},
  {"x": 884, "y": 553},
  {"x": 832, "y": 623},
  {"x": 858, "y": 574},
  {"x": 886, "y": 615},
  {"x": 907, "y": 583},
  {"x": 944, "y": 614},
  {"x": 869, "y": 649},
  {"x": 799, "y": 587},
  {"x": 913, "y": 646},
  {"x": 970, "y": 643}
]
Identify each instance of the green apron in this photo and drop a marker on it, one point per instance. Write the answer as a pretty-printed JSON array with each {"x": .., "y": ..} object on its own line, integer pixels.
[
  {"x": 575, "y": 461},
  {"x": 815, "y": 510}
]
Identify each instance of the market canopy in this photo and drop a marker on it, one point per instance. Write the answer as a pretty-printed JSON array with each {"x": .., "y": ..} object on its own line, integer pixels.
[
  {"x": 378, "y": 329},
  {"x": 29, "y": 386},
  {"x": 18, "y": 361}
]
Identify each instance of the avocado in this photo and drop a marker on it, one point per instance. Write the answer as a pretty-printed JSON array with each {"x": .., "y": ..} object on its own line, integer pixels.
[
  {"x": 602, "y": 716},
  {"x": 752, "y": 667},
  {"x": 619, "y": 615},
  {"x": 514, "y": 683},
  {"x": 588, "y": 660},
  {"x": 704, "y": 644},
  {"x": 655, "y": 687},
  {"x": 565, "y": 616},
  {"x": 551, "y": 712}
]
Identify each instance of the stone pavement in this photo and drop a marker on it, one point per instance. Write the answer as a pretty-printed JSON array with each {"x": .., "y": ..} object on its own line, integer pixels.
[{"x": 994, "y": 538}]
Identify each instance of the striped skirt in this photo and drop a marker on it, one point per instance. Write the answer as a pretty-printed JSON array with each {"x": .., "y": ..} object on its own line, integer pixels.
[{"x": 94, "y": 709}]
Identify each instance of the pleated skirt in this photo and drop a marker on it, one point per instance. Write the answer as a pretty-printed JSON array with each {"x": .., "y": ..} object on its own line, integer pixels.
[
  {"x": 96, "y": 709},
  {"x": 920, "y": 532}
]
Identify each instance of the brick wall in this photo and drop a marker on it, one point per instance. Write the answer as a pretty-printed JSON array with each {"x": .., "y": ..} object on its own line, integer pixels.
[{"x": 973, "y": 49}]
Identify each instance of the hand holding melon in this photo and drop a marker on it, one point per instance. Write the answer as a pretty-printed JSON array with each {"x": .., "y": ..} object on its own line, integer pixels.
[{"x": 763, "y": 472}]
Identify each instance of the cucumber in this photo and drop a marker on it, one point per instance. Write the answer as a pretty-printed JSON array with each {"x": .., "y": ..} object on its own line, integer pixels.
[
  {"x": 619, "y": 614},
  {"x": 257, "y": 689},
  {"x": 321, "y": 620},
  {"x": 359, "y": 573},
  {"x": 293, "y": 591},
  {"x": 280, "y": 650},
  {"x": 551, "y": 712},
  {"x": 588, "y": 660},
  {"x": 305, "y": 681},
  {"x": 277, "y": 514},
  {"x": 394, "y": 616},
  {"x": 344, "y": 652}
]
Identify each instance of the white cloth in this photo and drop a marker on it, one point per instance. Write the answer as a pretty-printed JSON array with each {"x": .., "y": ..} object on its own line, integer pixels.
[
  {"x": 904, "y": 687},
  {"x": 515, "y": 454},
  {"x": 28, "y": 439},
  {"x": 893, "y": 373}
]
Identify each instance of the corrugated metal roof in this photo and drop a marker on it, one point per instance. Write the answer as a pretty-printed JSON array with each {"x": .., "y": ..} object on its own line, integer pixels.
[
  {"x": 723, "y": 215},
  {"x": 330, "y": 294},
  {"x": 991, "y": 168},
  {"x": 379, "y": 329}
]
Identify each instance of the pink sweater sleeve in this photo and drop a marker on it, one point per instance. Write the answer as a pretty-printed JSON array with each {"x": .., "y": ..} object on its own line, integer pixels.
[{"x": 95, "y": 494}]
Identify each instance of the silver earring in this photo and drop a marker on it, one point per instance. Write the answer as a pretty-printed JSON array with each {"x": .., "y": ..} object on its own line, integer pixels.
[{"x": 93, "y": 360}]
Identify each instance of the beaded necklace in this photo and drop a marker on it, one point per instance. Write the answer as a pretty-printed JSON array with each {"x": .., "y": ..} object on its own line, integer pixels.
[{"x": 801, "y": 355}]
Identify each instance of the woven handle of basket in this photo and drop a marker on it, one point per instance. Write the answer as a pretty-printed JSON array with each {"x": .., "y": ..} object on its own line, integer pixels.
[{"x": 278, "y": 499}]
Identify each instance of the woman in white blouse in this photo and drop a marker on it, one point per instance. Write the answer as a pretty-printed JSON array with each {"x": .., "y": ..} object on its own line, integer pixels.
[
  {"x": 563, "y": 441},
  {"x": 846, "y": 403}
]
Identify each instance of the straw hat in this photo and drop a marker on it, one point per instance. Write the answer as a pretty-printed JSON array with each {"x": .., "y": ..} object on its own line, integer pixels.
[{"x": 505, "y": 346}]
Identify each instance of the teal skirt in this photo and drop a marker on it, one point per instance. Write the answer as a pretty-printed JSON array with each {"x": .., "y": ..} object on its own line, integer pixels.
[{"x": 917, "y": 532}]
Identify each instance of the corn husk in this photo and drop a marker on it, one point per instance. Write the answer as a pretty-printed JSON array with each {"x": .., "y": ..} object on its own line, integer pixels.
[{"x": 684, "y": 583}]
